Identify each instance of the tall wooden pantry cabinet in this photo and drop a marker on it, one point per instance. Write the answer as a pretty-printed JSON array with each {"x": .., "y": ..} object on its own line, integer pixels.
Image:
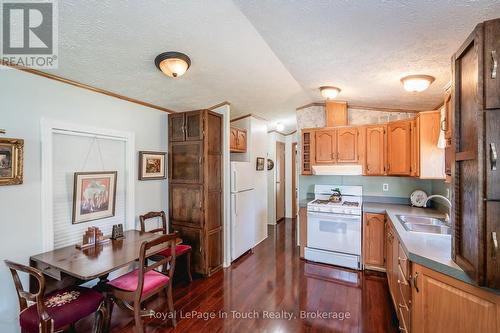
[
  {"x": 195, "y": 185},
  {"x": 475, "y": 167}
]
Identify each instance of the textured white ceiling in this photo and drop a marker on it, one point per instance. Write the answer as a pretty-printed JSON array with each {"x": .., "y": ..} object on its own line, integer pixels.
[
  {"x": 265, "y": 57},
  {"x": 366, "y": 46}
]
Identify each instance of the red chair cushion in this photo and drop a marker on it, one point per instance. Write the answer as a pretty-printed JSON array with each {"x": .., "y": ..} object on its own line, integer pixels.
[
  {"x": 128, "y": 282},
  {"x": 179, "y": 250},
  {"x": 65, "y": 306}
]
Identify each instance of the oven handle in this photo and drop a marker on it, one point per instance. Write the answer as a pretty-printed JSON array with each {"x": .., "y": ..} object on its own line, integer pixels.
[{"x": 331, "y": 216}]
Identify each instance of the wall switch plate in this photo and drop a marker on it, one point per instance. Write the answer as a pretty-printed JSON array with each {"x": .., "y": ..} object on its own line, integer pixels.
[{"x": 385, "y": 187}]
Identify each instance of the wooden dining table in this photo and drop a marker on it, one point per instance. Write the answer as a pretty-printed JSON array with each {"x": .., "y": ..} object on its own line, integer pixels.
[{"x": 72, "y": 266}]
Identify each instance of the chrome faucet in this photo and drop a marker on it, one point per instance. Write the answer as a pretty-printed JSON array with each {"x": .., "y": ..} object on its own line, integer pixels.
[{"x": 447, "y": 216}]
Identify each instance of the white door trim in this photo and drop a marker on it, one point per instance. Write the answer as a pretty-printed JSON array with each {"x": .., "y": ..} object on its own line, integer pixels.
[{"x": 50, "y": 127}]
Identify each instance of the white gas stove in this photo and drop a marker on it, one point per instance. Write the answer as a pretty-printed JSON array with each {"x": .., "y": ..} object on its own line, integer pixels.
[{"x": 334, "y": 228}]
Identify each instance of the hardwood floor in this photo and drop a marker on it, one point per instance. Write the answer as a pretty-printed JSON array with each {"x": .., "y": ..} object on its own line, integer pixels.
[{"x": 268, "y": 281}]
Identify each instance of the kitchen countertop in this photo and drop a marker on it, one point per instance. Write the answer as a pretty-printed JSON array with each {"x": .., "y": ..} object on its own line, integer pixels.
[{"x": 429, "y": 250}]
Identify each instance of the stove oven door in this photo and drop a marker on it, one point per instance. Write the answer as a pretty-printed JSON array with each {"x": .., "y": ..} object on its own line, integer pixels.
[{"x": 334, "y": 232}]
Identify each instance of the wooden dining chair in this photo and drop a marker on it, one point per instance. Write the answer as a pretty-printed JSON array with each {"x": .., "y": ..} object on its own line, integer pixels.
[
  {"x": 58, "y": 310},
  {"x": 180, "y": 249},
  {"x": 129, "y": 291}
]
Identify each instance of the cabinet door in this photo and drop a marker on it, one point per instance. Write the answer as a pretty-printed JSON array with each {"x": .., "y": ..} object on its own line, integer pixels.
[
  {"x": 415, "y": 147},
  {"x": 325, "y": 146},
  {"x": 375, "y": 150},
  {"x": 468, "y": 209},
  {"x": 448, "y": 124},
  {"x": 193, "y": 237},
  {"x": 432, "y": 159},
  {"x": 242, "y": 140},
  {"x": 492, "y": 151},
  {"x": 176, "y": 127},
  {"x": 492, "y": 244},
  {"x": 233, "y": 139},
  {"x": 492, "y": 66},
  {"x": 347, "y": 145},
  {"x": 194, "y": 125},
  {"x": 186, "y": 204},
  {"x": 443, "y": 304},
  {"x": 374, "y": 239},
  {"x": 308, "y": 150},
  {"x": 399, "y": 148},
  {"x": 214, "y": 251},
  {"x": 186, "y": 162}
]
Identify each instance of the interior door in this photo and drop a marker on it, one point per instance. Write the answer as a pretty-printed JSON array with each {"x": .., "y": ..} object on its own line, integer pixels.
[
  {"x": 399, "y": 148},
  {"x": 325, "y": 146},
  {"x": 280, "y": 181},
  {"x": 347, "y": 145}
]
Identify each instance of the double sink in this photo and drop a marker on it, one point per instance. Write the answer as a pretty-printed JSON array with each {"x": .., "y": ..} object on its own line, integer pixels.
[{"x": 424, "y": 224}]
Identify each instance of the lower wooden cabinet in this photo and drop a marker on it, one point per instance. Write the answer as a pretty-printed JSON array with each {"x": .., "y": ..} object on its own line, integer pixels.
[
  {"x": 373, "y": 241},
  {"x": 443, "y": 304}
]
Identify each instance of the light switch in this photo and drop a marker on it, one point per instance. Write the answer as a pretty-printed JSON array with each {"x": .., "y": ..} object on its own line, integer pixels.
[{"x": 385, "y": 187}]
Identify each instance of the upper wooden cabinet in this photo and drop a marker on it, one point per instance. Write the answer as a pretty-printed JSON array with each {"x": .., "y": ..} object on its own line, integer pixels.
[
  {"x": 308, "y": 151},
  {"x": 336, "y": 113},
  {"x": 415, "y": 147},
  {"x": 399, "y": 148},
  {"x": 326, "y": 145},
  {"x": 476, "y": 103},
  {"x": 432, "y": 159},
  {"x": 375, "y": 150},
  {"x": 186, "y": 126},
  {"x": 347, "y": 145},
  {"x": 373, "y": 241},
  {"x": 238, "y": 140}
]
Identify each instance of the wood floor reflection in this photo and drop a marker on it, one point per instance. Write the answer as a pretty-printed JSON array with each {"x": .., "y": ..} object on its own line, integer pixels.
[{"x": 274, "y": 281}]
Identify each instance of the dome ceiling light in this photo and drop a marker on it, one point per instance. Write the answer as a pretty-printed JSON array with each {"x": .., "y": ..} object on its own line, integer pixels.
[
  {"x": 280, "y": 127},
  {"x": 173, "y": 64},
  {"x": 329, "y": 92},
  {"x": 417, "y": 83}
]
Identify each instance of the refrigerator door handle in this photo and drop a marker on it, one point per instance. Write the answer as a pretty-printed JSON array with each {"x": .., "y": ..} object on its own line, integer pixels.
[
  {"x": 235, "y": 205},
  {"x": 234, "y": 181}
]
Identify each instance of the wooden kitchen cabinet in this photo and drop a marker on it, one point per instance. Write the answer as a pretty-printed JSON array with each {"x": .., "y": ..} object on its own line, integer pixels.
[
  {"x": 415, "y": 147},
  {"x": 431, "y": 159},
  {"x": 195, "y": 186},
  {"x": 308, "y": 151},
  {"x": 374, "y": 241},
  {"x": 476, "y": 122},
  {"x": 347, "y": 145},
  {"x": 238, "y": 140},
  {"x": 336, "y": 114},
  {"x": 443, "y": 304},
  {"x": 375, "y": 148},
  {"x": 326, "y": 146},
  {"x": 399, "y": 148}
]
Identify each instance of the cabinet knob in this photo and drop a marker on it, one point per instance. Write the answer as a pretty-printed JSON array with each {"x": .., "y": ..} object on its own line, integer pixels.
[
  {"x": 495, "y": 244},
  {"x": 495, "y": 64},
  {"x": 493, "y": 156}
]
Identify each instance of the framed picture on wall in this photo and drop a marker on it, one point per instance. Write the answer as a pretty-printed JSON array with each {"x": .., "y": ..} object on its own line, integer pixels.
[
  {"x": 11, "y": 161},
  {"x": 260, "y": 163},
  {"x": 152, "y": 165},
  {"x": 94, "y": 195}
]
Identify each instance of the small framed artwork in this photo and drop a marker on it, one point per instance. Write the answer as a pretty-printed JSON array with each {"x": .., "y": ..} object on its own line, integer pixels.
[
  {"x": 11, "y": 161},
  {"x": 260, "y": 163},
  {"x": 152, "y": 165},
  {"x": 94, "y": 195}
]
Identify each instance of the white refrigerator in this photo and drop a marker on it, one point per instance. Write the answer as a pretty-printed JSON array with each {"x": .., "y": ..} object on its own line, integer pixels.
[{"x": 243, "y": 215}]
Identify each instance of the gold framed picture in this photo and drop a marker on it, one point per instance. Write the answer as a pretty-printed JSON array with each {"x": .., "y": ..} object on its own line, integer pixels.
[
  {"x": 94, "y": 195},
  {"x": 11, "y": 161},
  {"x": 152, "y": 165}
]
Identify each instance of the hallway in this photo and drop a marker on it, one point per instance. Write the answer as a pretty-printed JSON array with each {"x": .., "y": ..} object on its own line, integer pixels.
[{"x": 273, "y": 282}]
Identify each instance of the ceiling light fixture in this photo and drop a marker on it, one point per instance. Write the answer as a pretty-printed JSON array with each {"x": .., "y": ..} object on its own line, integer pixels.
[
  {"x": 280, "y": 127},
  {"x": 329, "y": 92},
  {"x": 173, "y": 64},
  {"x": 417, "y": 83}
]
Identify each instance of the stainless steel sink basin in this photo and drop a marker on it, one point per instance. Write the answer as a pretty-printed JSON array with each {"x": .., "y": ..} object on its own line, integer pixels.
[{"x": 424, "y": 224}]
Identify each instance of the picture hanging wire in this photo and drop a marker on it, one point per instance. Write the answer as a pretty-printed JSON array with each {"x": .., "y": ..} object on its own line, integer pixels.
[{"x": 96, "y": 141}]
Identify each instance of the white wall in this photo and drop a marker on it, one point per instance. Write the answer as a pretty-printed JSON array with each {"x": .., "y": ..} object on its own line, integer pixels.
[
  {"x": 25, "y": 99},
  {"x": 272, "y": 138},
  {"x": 289, "y": 139}
]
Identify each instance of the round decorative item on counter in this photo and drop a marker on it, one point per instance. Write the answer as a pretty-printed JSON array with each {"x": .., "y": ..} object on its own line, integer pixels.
[
  {"x": 270, "y": 164},
  {"x": 418, "y": 198}
]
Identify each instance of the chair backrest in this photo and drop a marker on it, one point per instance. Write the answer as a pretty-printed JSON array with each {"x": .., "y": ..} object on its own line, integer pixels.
[
  {"x": 158, "y": 244},
  {"x": 26, "y": 296},
  {"x": 151, "y": 215}
]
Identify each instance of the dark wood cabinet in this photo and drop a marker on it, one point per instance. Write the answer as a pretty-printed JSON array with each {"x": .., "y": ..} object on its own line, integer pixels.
[
  {"x": 491, "y": 64},
  {"x": 195, "y": 189},
  {"x": 475, "y": 216}
]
